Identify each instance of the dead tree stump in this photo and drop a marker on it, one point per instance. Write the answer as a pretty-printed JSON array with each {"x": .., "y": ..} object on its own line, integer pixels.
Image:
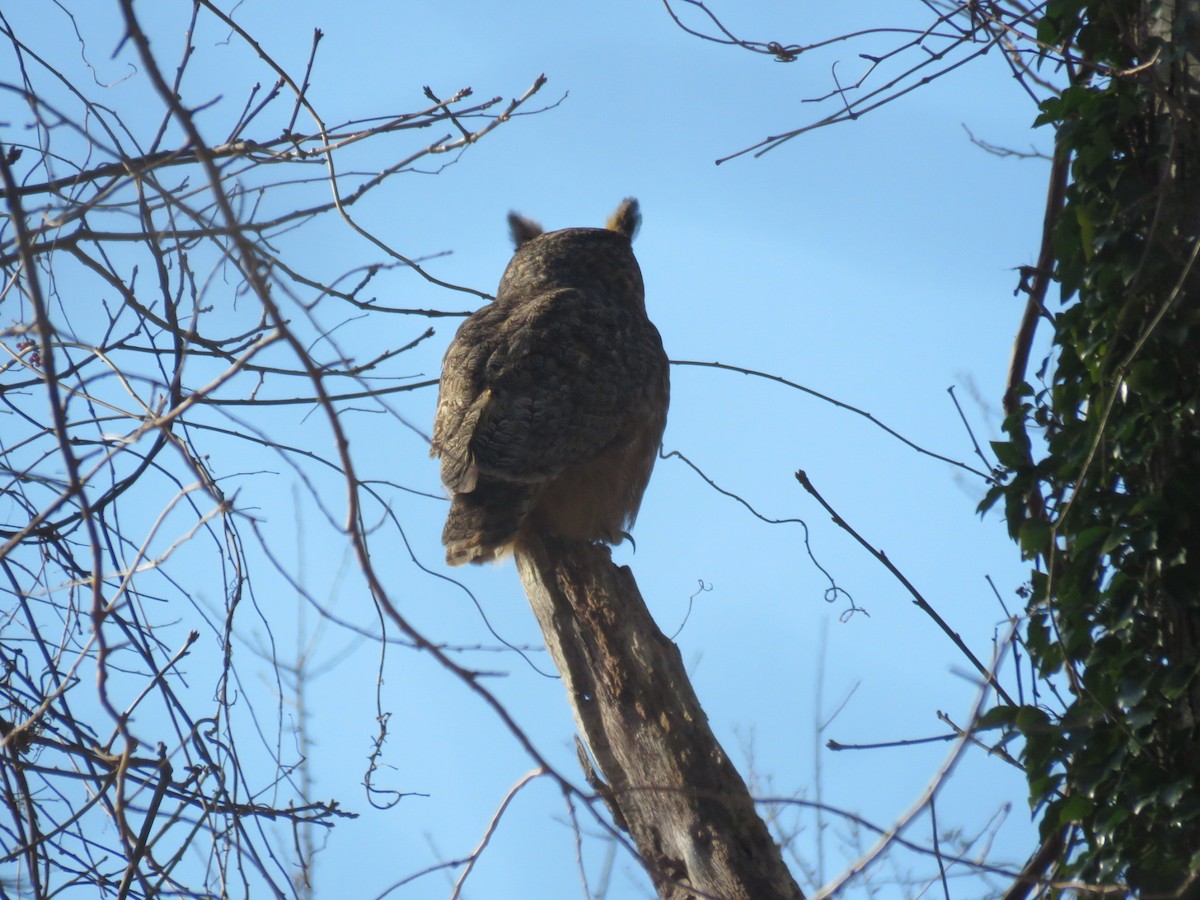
[{"x": 669, "y": 783}]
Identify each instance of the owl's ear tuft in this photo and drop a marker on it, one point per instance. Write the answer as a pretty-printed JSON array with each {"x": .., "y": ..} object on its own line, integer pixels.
[
  {"x": 523, "y": 230},
  {"x": 626, "y": 219}
]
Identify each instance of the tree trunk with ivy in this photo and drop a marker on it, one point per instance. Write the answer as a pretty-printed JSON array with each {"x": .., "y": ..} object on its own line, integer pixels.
[{"x": 1104, "y": 459}]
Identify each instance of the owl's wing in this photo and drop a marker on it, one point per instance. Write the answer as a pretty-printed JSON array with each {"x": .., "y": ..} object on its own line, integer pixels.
[{"x": 531, "y": 388}]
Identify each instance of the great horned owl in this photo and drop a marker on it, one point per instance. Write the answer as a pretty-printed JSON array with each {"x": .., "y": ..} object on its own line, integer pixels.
[{"x": 553, "y": 397}]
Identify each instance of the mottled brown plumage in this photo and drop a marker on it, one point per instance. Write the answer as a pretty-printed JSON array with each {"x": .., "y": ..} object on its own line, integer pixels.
[{"x": 553, "y": 397}]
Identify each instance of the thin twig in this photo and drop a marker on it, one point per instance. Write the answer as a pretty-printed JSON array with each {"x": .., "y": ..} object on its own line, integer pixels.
[
  {"x": 840, "y": 405},
  {"x": 918, "y": 599}
]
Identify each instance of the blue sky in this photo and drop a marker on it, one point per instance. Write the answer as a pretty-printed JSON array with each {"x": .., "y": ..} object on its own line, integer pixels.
[{"x": 872, "y": 261}]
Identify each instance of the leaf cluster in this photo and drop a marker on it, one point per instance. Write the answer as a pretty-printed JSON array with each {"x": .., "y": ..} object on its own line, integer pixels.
[{"x": 1103, "y": 466}]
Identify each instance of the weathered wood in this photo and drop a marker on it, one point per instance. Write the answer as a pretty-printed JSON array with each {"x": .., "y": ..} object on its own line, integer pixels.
[{"x": 682, "y": 801}]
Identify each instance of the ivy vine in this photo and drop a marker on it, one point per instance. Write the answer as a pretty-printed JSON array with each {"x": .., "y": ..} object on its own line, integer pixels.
[{"x": 1102, "y": 459}]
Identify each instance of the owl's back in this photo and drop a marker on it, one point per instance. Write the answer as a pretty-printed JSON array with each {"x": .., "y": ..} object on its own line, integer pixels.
[{"x": 553, "y": 398}]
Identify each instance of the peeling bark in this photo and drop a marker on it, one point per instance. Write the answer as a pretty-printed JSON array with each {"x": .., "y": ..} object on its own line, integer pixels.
[{"x": 669, "y": 783}]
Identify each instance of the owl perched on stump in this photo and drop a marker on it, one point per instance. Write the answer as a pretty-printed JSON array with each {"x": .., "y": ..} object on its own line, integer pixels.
[{"x": 553, "y": 397}]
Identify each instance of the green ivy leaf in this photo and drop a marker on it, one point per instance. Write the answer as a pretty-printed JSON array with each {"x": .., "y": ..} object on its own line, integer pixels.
[
  {"x": 1009, "y": 454},
  {"x": 1076, "y": 808},
  {"x": 1150, "y": 378},
  {"x": 1116, "y": 538},
  {"x": 1034, "y": 535},
  {"x": 996, "y": 717},
  {"x": 1031, "y": 719},
  {"x": 1089, "y": 537},
  {"x": 1177, "y": 681},
  {"x": 1087, "y": 232}
]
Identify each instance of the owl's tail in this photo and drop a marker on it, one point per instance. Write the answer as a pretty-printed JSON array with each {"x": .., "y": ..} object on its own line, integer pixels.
[{"x": 483, "y": 524}]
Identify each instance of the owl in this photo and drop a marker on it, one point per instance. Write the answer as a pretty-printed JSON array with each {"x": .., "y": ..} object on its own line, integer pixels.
[{"x": 553, "y": 397}]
